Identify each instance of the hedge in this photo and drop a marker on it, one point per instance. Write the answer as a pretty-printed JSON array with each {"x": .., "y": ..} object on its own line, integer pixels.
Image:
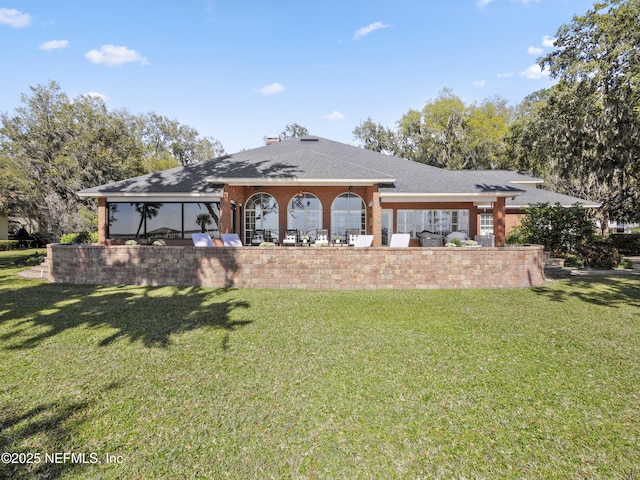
[
  {"x": 626, "y": 243},
  {"x": 8, "y": 245}
]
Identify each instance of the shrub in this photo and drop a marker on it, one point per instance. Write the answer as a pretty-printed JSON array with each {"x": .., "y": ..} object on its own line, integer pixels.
[
  {"x": 626, "y": 243},
  {"x": 515, "y": 237},
  {"x": 599, "y": 253},
  {"x": 80, "y": 237},
  {"x": 562, "y": 230},
  {"x": 8, "y": 245}
]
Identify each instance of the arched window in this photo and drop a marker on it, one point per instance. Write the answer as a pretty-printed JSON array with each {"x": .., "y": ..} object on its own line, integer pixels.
[
  {"x": 261, "y": 213},
  {"x": 348, "y": 212},
  {"x": 304, "y": 213}
]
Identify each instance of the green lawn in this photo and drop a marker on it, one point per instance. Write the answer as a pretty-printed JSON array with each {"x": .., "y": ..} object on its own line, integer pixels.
[{"x": 181, "y": 383}]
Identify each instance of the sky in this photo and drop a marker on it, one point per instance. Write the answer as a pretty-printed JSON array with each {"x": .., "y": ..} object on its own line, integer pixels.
[{"x": 238, "y": 70}]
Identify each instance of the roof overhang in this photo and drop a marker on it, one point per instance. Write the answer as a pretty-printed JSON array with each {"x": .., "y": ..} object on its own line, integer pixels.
[
  {"x": 388, "y": 197},
  {"x": 153, "y": 197},
  {"x": 520, "y": 207},
  {"x": 296, "y": 181}
]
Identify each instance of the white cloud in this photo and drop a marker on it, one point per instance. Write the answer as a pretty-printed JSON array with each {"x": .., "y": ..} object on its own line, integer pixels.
[
  {"x": 14, "y": 18},
  {"x": 480, "y": 83},
  {"x": 483, "y": 3},
  {"x": 505, "y": 75},
  {"x": 112, "y": 55},
  {"x": 53, "y": 45},
  {"x": 334, "y": 116},
  {"x": 271, "y": 89},
  {"x": 535, "y": 72},
  {"x": 535, "y": 50},
  {"x": 548, "y": 41},
  {"x": 368, "y": 29}
]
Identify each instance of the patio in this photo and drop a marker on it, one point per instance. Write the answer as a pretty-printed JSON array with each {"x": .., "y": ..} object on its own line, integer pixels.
[{"x": 298, "y": 267}]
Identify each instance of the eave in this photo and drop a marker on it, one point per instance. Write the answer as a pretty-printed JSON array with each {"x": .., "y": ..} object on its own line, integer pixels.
[
  {"x": 389, "y": 197},
  {"x": 297, "y": 181}
]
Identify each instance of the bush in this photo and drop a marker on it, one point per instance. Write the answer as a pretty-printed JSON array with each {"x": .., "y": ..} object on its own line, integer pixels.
[
  {"x": 562, "y": 230},
  {"x": 80, "y": 237},
  {"x": 515, "y": 237},
  {"x": 626, "y": 243},
  {"x": 8, "y": 245},
  {"x": 600, "y": 253}
]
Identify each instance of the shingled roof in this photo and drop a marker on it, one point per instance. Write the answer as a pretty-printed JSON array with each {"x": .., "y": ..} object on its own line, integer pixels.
[{"x": 309, "y": 161}]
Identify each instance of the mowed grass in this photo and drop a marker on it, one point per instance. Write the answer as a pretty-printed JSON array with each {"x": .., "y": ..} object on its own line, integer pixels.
[{"x": 208, "y": 383}]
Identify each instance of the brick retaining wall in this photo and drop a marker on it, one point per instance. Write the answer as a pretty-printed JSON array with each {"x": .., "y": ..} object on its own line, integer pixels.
[{"x": 298, "y": 267}]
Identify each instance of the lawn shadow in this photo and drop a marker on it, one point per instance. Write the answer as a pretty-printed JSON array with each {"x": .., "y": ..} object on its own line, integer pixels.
[
  {"x": 150, "y": 315},
  {"x": 608, "y": 290},
  {"x": 51, "y": 427}
]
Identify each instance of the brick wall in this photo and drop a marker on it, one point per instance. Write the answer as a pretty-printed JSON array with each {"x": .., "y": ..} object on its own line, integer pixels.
[{"x": 298, "y": 267}]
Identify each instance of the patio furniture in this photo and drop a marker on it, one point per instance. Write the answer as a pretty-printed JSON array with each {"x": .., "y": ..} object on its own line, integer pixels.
[
  {"x": 231, "y": 240},
  {"x": 259, "y": 236},
  {"x": 400, "y": 240},
  {"x": 322, "y": 237},
  {"x": 486, "y": 240},
  {"x": 291, "y": 238},
  {"x": 456, "y": 236},
  {"x": 201, "y": 240},
  {"x": 352, "y": 237},
  {"x": 363, "y": 241},
  {"x": 428, "y": 239}
]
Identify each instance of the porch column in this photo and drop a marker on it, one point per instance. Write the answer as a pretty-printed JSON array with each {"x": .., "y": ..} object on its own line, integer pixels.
[
  {"x": 499, "y": 218},
  {"x": 225, "y": 213},
  {"x": 102, "y": 221},
  {"x": 376, "y": 219},
  {"x": 473, "y": 222}
]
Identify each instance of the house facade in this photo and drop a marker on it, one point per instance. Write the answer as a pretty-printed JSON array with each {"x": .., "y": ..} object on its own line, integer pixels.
[{"x": 309, "y": 184}]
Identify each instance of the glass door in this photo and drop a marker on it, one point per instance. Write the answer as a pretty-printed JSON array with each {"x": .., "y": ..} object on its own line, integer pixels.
[{"x": 387, "y": 226}]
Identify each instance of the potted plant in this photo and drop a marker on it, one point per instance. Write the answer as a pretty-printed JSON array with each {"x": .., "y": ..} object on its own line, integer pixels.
[{"x": 336, "y": 239}]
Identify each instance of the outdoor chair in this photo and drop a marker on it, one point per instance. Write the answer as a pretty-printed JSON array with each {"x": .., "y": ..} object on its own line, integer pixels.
[
  {"x": 258, "y": 237},
  {"x": 291, "y": 238},
  {"x": 352, "y": 237},
  {"x": 400, "y": 240},
  {"x": 487, "y": 240},
  {"x": 201, "y": 240},
  {"x": 322, "y": 237},
  {"x": 428, "y": 239},
  {"x": 231, "y": 240},
  {"x": 363, "y": 241}
]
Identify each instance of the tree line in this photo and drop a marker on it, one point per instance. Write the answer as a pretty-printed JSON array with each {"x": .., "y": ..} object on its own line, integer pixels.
[
  {"x": 582, "y": 135},
  {"x": 52, "y": 146}
]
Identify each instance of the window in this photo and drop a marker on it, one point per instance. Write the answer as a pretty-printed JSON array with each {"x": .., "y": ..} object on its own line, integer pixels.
[
  {"x": 304, "y": 213},
  {"x": 435, "y": 221},
  {"x": 202, "y": 218},
  {"x": 261, "y": 213},
  {"x": 156, "y": 220},
  {"x": 486, "y": 224},
  {"x": 348, "y": 212}
]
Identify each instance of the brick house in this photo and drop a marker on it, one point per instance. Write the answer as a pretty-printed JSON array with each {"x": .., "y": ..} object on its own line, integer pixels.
[{"x": 312, "y": 183}]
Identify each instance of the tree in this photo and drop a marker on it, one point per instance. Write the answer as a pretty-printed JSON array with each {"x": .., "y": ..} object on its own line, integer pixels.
[
  {"x": 53, "y": 146},
  {"x": 592, "y": 113},
  {"x": 376, "y": 137},
  {"x": 446, "y": 133},
  {"x": 293, "y": 130}
]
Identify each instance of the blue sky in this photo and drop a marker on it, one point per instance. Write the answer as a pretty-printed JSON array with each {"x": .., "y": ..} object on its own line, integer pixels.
[{"x": 238, "y": 70}]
